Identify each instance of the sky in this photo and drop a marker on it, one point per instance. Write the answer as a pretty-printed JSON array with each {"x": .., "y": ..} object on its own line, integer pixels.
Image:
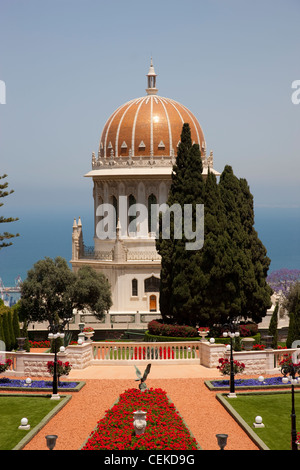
[{"x": 68, "y": 64}]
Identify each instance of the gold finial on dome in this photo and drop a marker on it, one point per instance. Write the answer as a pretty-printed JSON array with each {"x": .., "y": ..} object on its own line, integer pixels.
[{"x": 151, "y": 90}]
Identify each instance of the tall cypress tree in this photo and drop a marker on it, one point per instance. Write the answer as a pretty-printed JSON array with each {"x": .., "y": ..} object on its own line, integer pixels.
[
  {"x": 250, "y": 261},
  {"x": 216, "y": 259},
  {"x": 258, "y": 296},
  {"x": 15, "y": 322},
  {"x": 181, "y": 277},
  {"x": 6, "y": 331},
  {"x": 273, "y": 326}
]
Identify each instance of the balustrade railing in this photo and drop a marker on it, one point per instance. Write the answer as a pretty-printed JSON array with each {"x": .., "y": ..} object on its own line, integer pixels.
[{"x": 114, "y": 352}]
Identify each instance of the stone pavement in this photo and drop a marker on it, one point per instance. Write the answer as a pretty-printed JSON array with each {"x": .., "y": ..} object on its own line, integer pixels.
[{"x": 158, "y": 371}]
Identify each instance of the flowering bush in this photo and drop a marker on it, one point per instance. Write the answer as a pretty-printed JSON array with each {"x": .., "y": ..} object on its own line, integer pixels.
[
  {"x": 11, "y": 384},
  {"x": 165, "y": 428},
  {"x": 224, "y": 367},
  {"x": 63, "y": 368},
  {"x": 258, "y": 347},
  {"x": 175, "y": 331},
  {"x": 286, "y": 360},
  {"x": 88, "y": 329},
  {"x": 250, "y": 329},
  {"x": 5, "y": 365}
]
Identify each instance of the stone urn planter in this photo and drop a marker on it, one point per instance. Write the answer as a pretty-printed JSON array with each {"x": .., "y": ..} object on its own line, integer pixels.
[
  {"x": 203, "y": 333},
  {"x": 248, "y": 343},
  {"x": 88, "y": 333},
  {"x": 21, "y": 344},
  {"x": 89, "y": 336}
]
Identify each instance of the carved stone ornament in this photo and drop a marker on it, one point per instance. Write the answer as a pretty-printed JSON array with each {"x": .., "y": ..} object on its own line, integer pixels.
[{"x": 139, "y": 422}]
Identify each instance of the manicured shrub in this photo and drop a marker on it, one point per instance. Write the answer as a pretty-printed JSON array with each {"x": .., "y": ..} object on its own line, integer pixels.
[
  {"x": 248, "y": 329},
  {"x": 178, "y": 331}
]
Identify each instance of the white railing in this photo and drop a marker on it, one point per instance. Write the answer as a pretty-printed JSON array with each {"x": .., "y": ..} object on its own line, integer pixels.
[{"x": 164, "y": 352}]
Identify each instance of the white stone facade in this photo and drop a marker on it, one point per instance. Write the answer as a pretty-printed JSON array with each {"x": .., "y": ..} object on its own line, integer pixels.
[{"x": 134, "y": 165}]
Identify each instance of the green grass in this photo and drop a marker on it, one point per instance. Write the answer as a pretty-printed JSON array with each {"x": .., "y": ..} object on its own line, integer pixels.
[
  {"x": 275, "y": 410},
  {"x": 15, "y": 407}
]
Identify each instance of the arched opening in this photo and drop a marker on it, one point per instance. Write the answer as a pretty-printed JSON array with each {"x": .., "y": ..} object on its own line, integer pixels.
[
  {"x": 134, "y": 287},
  {"x": 152, "y": 284},
  {"x": 116, "y": 211},
  {"x": 152, "y": 303},
  {"x": 152, "y": 215},
  {"x": 131, "y": 218}
]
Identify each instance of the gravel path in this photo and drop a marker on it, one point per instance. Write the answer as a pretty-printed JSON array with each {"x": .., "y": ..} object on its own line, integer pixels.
[{"x": 201, "y": 411}]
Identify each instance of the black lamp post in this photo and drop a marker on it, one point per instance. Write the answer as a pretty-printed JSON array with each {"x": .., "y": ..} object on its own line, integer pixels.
[
  {"x": 51, "y": 441},
  {"x": 56, "y": 330},
  {"x": 222, "y": 440},
  {"x": 291, "y": 370},
  {"x": 232, "y": 333}
]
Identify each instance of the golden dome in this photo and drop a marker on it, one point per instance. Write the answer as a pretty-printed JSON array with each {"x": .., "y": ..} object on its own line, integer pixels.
[{"x": 148, "y": 126}]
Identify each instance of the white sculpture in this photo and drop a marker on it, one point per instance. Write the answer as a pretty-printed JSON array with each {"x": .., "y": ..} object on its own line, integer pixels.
[{"x": 139, "y": 422}]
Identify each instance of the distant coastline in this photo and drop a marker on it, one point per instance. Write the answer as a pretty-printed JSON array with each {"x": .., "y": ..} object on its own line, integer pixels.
[{"x": 51, "y": 235}]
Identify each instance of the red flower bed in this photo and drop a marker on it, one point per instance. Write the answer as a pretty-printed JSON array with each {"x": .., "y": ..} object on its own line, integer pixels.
[
  {"x": 165, "y": 428},
  {"x": 39, "y": 344}
]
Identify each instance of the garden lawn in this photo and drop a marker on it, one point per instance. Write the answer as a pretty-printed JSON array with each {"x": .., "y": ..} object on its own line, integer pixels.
[
  {"x": 15, "y": 407},
  {"x": 275, "y": 410}
]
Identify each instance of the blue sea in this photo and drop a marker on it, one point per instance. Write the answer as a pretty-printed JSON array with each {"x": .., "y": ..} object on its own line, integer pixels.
[{"x": 50, "y": 235}]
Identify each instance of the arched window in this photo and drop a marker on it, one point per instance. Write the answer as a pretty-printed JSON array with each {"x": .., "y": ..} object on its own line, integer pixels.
[
  {"x": 134, "y": 287},
  {"x": 131, "y": 218},
  {"x": 152, "y": 216},
  {"x": 152, "y": 284},
  {"x": 115, "y": 204}
]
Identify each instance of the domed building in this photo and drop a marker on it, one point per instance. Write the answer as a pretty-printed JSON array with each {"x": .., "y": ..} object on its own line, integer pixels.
[{"x": 132, "y": 170}]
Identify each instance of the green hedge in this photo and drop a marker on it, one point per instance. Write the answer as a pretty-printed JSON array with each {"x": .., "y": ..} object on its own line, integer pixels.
[
  {"x": 227, "y": 340},
  {"x": 148, "y": 338}
]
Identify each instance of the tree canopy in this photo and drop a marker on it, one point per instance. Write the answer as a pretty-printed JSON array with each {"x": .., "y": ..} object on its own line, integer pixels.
[
  {"x": 292, "y": 304},
  {"x": 52, "y": 290},
  {"x": 179, "y": 288},
  {"x": 5, "y": 235}
]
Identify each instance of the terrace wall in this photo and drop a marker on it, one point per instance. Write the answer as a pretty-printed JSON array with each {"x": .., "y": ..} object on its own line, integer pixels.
[{"x": 80, "y": 356}]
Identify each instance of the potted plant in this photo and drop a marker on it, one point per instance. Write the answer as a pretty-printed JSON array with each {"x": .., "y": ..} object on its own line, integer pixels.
[
  {"x": 5, "y": 365},
  {"x": 224, "y": 366},
  {"x": 203, "y": 332},
  {"x": 63, "y": 368}
]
